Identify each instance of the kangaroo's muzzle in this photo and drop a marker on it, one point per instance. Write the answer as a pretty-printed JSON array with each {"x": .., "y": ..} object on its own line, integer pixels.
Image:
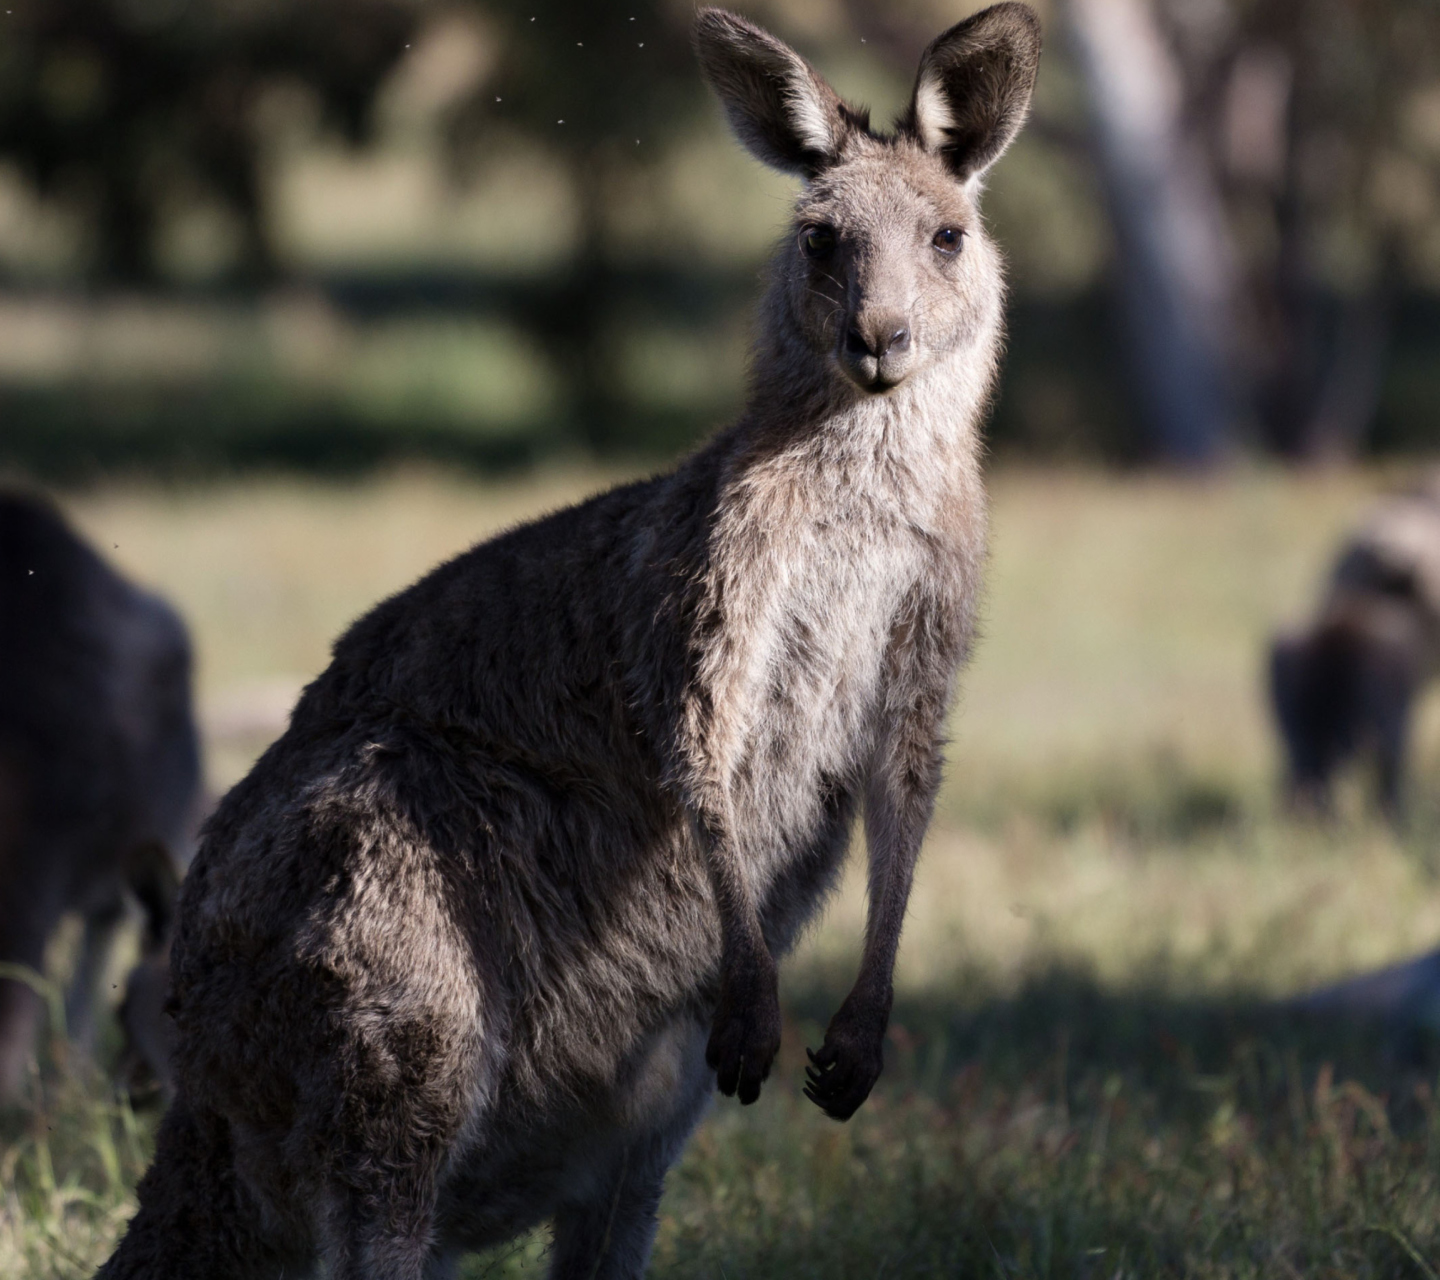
[{"x": 876, "y": 350}]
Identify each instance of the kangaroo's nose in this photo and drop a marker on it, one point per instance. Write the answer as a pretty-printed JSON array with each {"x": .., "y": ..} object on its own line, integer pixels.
[{"x": 878, "y": 337}]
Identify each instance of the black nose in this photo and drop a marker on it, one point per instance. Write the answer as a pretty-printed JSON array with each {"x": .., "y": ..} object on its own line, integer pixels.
[{"x": 877, "y": 340}]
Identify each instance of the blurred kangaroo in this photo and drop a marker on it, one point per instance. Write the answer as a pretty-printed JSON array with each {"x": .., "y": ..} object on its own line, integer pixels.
[
  {"x": 99, "y": 762},
  {"x": 1347, "y": 683},
  {"x": 472, "y": 944}
]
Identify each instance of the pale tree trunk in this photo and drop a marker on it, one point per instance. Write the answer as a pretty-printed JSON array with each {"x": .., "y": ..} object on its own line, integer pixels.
[{"x": 1174, "y": 267}]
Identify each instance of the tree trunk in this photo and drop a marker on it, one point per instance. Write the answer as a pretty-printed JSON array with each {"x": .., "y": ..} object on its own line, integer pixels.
[{"x": 1174, "y": 267}]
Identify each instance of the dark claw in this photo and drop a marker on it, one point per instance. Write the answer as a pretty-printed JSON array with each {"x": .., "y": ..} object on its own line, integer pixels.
[
  {"x": 749, "y": 1090},
  {"x": 844, "y": 1069},
  {"x": 824, "y": 1057}
]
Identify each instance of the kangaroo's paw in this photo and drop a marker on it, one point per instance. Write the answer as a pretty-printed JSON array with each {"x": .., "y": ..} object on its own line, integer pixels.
[{"x": 745, "y": 1036}]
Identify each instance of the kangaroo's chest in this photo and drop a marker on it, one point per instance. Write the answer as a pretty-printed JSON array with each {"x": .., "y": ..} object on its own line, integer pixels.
[
  {"x": 822, "y": 651},
  {"x": 796, "y": 684}
]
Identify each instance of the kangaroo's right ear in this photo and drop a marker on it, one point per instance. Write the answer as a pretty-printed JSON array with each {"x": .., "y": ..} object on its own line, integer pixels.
[
  {"x": 777, "y": 104},
  {"x": 973, "y": 89}
]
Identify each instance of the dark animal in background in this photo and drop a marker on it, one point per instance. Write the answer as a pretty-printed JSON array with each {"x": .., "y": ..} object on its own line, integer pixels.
[
  {"x": 473, "y": 943},
  {"x": 144, "y": 1068},
  {"x": 99, "y": 762},
  {"x": 1346, "y": 685}
]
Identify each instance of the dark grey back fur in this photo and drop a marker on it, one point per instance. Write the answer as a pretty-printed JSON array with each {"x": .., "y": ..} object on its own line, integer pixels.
[
  {"x": 99, "y": 759},
  {"x": 477, "y": 938}
]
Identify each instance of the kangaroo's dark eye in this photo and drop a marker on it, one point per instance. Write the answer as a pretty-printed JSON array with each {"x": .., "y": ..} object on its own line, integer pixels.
[
  {"x": 947, "y": 240},
  {"x": 817, "y": 240}
]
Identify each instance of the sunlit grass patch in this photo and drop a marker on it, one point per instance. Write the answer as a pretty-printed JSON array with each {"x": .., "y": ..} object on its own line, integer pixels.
[
  {"x": 68, "y": 1180},
  {"x": 70, "y": 1157}
]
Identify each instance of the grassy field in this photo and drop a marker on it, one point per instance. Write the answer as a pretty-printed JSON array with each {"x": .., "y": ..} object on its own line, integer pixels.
[{"x": 1090, "y": 1072}]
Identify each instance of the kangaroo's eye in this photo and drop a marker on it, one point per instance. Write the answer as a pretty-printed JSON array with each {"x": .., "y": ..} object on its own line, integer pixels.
[
  {"x": 947, "y": 240},
  {"x": 817, "y": 241}
]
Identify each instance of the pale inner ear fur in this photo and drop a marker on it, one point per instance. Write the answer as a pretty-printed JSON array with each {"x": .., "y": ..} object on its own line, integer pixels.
[
  {"x": 808, "y": 115},
  {"x": 933, "y": 117},
  {"x": 778, "y": 106},
  {"x": 973, "y": 89}
]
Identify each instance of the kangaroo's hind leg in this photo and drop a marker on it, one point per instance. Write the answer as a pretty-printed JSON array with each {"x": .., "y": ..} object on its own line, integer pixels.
[
  {"x": 385, "y": 1228},
  {"x": 379, "y": 1205},
  {"x": 608, "y": 1235},
  {"x": 401, "y": 1085},
  {"x": 386, "y": 1156},
  {"x": 403, "y": 1071},
  {"x": 102, "y": 923},
  {"x": 197, "y": 1218}
]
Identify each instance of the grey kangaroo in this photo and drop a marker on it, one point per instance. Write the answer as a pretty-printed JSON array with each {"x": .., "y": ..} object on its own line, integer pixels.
[
  {"x": 476, "y": 939},
  {"x": 99, "y": 761},
  {"x": 1346, "y": 685}
]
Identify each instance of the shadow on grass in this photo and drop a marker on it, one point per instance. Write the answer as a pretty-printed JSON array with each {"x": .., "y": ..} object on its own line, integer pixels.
[
  {"x": 1064, "y": 1030},
  {"x": 1066, "y": 1130}
]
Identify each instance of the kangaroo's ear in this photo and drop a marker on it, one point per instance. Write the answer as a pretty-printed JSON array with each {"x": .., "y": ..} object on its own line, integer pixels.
[
  {"x": 973, "y": 88},
  {"x": 777, "y": 104}
]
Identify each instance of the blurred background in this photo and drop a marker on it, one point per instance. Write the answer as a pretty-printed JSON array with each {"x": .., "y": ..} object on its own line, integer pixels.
[
  {"x": 299, "y": 297},
  {"x": 327, "y": 233}
]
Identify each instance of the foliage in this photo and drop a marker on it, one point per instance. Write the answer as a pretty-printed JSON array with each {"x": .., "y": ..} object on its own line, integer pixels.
[
  {"x": 125, "y": 109},
  {"x": 1321, "y": 122},
  {"x": 68, "y": 1165}
]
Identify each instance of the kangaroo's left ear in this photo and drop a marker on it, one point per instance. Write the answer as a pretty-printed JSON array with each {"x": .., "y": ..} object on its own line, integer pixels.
[{"x": 973, "y": 88}]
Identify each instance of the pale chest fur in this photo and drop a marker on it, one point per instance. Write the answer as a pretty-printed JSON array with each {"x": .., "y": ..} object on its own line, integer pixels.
[{"x": 817, "y": 558}]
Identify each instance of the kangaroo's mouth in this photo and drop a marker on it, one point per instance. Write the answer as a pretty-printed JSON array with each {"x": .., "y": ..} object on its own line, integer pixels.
[
  {"x": 877, "y": 350},
  {"x": 873, "y": 376}
]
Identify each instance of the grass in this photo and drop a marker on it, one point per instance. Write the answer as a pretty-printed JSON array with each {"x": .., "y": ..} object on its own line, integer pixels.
[{"x": 1091, "y": 1069}]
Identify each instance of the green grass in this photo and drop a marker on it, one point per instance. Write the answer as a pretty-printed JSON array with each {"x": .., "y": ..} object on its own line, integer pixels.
[{"x": 1090, "y": 1073}]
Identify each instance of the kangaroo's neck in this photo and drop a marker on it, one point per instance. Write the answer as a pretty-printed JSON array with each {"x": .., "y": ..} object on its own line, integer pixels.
[{"x": 918, "y": 440}]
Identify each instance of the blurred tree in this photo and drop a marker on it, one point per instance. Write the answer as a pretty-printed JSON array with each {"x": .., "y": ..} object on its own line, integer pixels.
[
  {"x": 124, "y": 108},
  {"x": 1321, "y": 123},
  {"x": 1174, "y": 263},
  {"x": 1305, "y": 134},
  {"x": 605, "y": 86}
]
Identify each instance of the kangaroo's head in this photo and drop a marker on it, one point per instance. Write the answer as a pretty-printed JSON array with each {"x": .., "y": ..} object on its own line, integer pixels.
[{"x": 887, "y": 268}]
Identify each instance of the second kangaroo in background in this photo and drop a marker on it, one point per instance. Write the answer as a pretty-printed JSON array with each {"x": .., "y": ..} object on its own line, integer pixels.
[
  {"x": 1346, "y": 684},
  {"x": 99, "y": 771},
  {"x": 475, "y": 940}
]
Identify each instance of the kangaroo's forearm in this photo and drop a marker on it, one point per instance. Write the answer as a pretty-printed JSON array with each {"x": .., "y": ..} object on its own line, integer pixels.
[
  {"x": 874, "y": 982},
  {"x": 904, "y": 778},
  {"x": 742, "y": 939},
  {"x": 898, "y": 803},
  {"x": 745, "y": 1034},
  {"x": 897, "y": 814}
]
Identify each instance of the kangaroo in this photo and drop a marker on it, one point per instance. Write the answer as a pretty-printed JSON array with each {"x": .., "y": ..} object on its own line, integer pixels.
[
  {"x": 1348, "y": 682},
  {"x": 99, "y": 762},
  {"x": 474, "y": 942}
]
